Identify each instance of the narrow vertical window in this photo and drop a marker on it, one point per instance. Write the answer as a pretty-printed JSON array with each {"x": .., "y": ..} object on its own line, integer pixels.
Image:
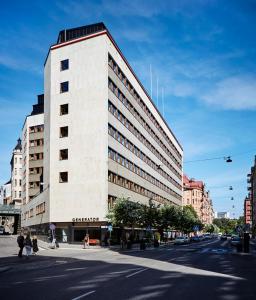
[
  {"x": 63, "y": 177},
  {"x": 64, "y": 65},
  {"x": 64, "y": 87},
  {"x": 63, "y": 109}
]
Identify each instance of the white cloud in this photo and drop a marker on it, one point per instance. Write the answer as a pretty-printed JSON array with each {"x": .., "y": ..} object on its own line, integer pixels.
[{"x": 236, "y": 93}]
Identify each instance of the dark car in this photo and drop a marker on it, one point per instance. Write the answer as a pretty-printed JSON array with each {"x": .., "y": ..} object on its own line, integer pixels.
[
  {"x": 195, "y": 239},
  {"x": 236, "y": 240},
  {"x": 223, "y": 237}
]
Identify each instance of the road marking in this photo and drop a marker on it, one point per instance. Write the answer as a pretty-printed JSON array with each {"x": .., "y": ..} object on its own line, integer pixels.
[
  {"x": 84, "y": 295},
  {"x": 75, "y": 269},
  {"x": 205, "y": 250},
  {"x": 142, "y": 270}
]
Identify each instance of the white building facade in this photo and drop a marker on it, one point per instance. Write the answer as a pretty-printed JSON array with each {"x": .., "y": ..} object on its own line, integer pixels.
[
  {"x": 16, "y": 175},
  {"x": 103, "y": 137}
]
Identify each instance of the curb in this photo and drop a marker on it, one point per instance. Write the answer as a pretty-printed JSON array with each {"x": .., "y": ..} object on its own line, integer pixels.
[{"x": 4, "y": 269}]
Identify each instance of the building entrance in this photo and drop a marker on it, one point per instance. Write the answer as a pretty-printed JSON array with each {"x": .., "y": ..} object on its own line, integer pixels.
[{"x": 10, "y": 219}]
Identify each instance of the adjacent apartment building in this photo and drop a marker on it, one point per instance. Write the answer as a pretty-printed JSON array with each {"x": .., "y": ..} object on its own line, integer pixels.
[
  {"x": 194, "y": 194},
  {"x": 33, "y": 154},
  {"x": 16, "y": 175},
  {"x": 103, "y": 138},
  {"x": 248, "y": 210},
  {"x": 250, "y": 201}
]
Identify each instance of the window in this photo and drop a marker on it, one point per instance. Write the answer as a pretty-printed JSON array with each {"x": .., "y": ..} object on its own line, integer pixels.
[
  {"x": 19, "y": 194},
  {"x": 64, "y": 131},
  {"x": 64, "y": 65},
  {"x": 63, "y": 154},
  {"x": 20, "y": 182},
  {"x": 63, "y": 109},
  {"x": 64, "y": 87},
  {"x": 63, "y": 177}
]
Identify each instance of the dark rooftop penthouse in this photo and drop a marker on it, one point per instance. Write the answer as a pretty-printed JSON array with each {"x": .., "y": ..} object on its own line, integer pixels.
[
  {"x": 39, "y": 107},
  {"x": 74, "y": 33}
]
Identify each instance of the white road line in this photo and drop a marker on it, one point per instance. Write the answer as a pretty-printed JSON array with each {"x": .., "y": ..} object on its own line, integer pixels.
[
  {"x": 142, "y": 270},
  {"x": 84, "y": 295}
]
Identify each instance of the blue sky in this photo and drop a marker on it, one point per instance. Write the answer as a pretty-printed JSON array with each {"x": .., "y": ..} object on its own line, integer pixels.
[{"x": 202, "y": 51}]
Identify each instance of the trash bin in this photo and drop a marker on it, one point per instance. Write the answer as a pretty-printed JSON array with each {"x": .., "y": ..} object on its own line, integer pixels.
[
  {"x": 239, "y": 247},
  {"x": 142, "y": 244}
]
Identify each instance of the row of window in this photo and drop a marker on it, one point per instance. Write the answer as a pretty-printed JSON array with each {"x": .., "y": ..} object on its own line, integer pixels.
[
  {"x": 38, "y": 170},
  {"x": 36, "y": 156},
  {"x": 15, "y": 194},
  {"x": 141, "y": 120},
  {"x": 137, "y": 170},
  {"x": 139, "y": 136},
  {"x": 16, "y": 160},
  {"x": 136, "y": 96},
  {"x": 35, "y": 143},
  {"x": 135, "y": 150},
  {"x": 127, "y": 184},
  {"x": 111, "y": 201},
  {"x": 34, "y": 184},
  {"x": 64, "y": 110},
  {"x": 38, "y": 128},
  {"x": 16, "y": 182},
  {"x": 40, "y": 209}
]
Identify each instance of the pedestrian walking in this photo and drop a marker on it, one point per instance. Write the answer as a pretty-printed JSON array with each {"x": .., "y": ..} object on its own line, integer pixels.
[
  {"x": 86, "y": 241},
  {"x": 34, "y": 244},
  {"x": 20, "y": 241},
  {"x": 28, "y": 245}
]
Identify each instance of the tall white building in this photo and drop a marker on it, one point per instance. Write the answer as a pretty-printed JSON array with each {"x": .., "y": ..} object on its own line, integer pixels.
[
  {"x": 103, "y": 137},
  {"x": 16, "y": 175}
]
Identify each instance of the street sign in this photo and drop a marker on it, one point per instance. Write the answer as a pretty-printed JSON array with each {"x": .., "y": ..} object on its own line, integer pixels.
[
  {"x": 196, "y": 228},
  {"x": 52, "y": 226},
  {"x": 110, "y": 228}
]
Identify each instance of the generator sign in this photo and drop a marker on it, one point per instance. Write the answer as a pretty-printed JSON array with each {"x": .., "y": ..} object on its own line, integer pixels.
[{"x": 85, "y": 219}]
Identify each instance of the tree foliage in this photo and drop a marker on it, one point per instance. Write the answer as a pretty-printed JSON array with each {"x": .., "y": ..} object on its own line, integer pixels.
[
  {"x": 226, "y": 225},
  {"x": 126, "y": 213}
]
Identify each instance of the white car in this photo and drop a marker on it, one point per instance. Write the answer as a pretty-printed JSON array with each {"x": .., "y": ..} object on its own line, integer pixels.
[{"x": 181, "y": 240}]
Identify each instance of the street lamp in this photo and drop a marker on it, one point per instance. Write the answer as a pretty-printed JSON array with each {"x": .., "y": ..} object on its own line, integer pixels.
[
  {"x": 228, "y": 159},
  {"x": 231, "y": 188}
]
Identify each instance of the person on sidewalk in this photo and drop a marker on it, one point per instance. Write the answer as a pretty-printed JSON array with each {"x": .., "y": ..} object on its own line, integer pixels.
[
  {"x": 28, "y": 245},
  {"x": 20, "y": 241},
  {"x": 86, "y": 241},
  {"x": 34, "y": 244}
]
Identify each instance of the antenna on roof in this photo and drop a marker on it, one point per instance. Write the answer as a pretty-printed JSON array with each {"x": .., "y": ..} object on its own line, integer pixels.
[
  {"x": 151, "y": 86},
  {"x": 157, "y": 92},
  {"x": 163, "y": 100}
]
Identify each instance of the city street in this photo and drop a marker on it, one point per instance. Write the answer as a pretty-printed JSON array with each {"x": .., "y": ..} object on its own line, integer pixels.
[{"x": 209, "y": 269}]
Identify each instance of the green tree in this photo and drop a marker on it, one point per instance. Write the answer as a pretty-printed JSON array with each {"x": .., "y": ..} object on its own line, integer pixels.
[
  {"x": 169, "y": 217},
  {"x": 149, "y": 215},
  {"x": 125, "y": 213},
  {"x": 189, "y": 219}
]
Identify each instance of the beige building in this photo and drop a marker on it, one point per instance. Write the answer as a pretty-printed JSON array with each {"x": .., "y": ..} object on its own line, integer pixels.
[
  {"x": 32, "y": 153},
  {"x": 103, "y": 137},
  {"x": 194, "y": 194}
]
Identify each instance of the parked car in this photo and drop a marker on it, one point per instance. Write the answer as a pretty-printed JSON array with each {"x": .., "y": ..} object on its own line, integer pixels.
[
  {"x": 181, "y": 240},
  {"x": 223, "y": 237},
  {"x": 195, "y": 238},
  {"x": 2, "y": 230},
  {"x": 207, "y": 236},
  {"x": 235, "y": 241}
]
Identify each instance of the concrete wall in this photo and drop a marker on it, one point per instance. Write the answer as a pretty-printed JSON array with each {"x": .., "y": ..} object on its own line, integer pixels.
[{"x": 85, "y": 193}]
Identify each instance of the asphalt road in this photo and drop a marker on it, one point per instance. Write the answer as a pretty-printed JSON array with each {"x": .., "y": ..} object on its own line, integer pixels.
[{"x": 205, "y": 270}]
